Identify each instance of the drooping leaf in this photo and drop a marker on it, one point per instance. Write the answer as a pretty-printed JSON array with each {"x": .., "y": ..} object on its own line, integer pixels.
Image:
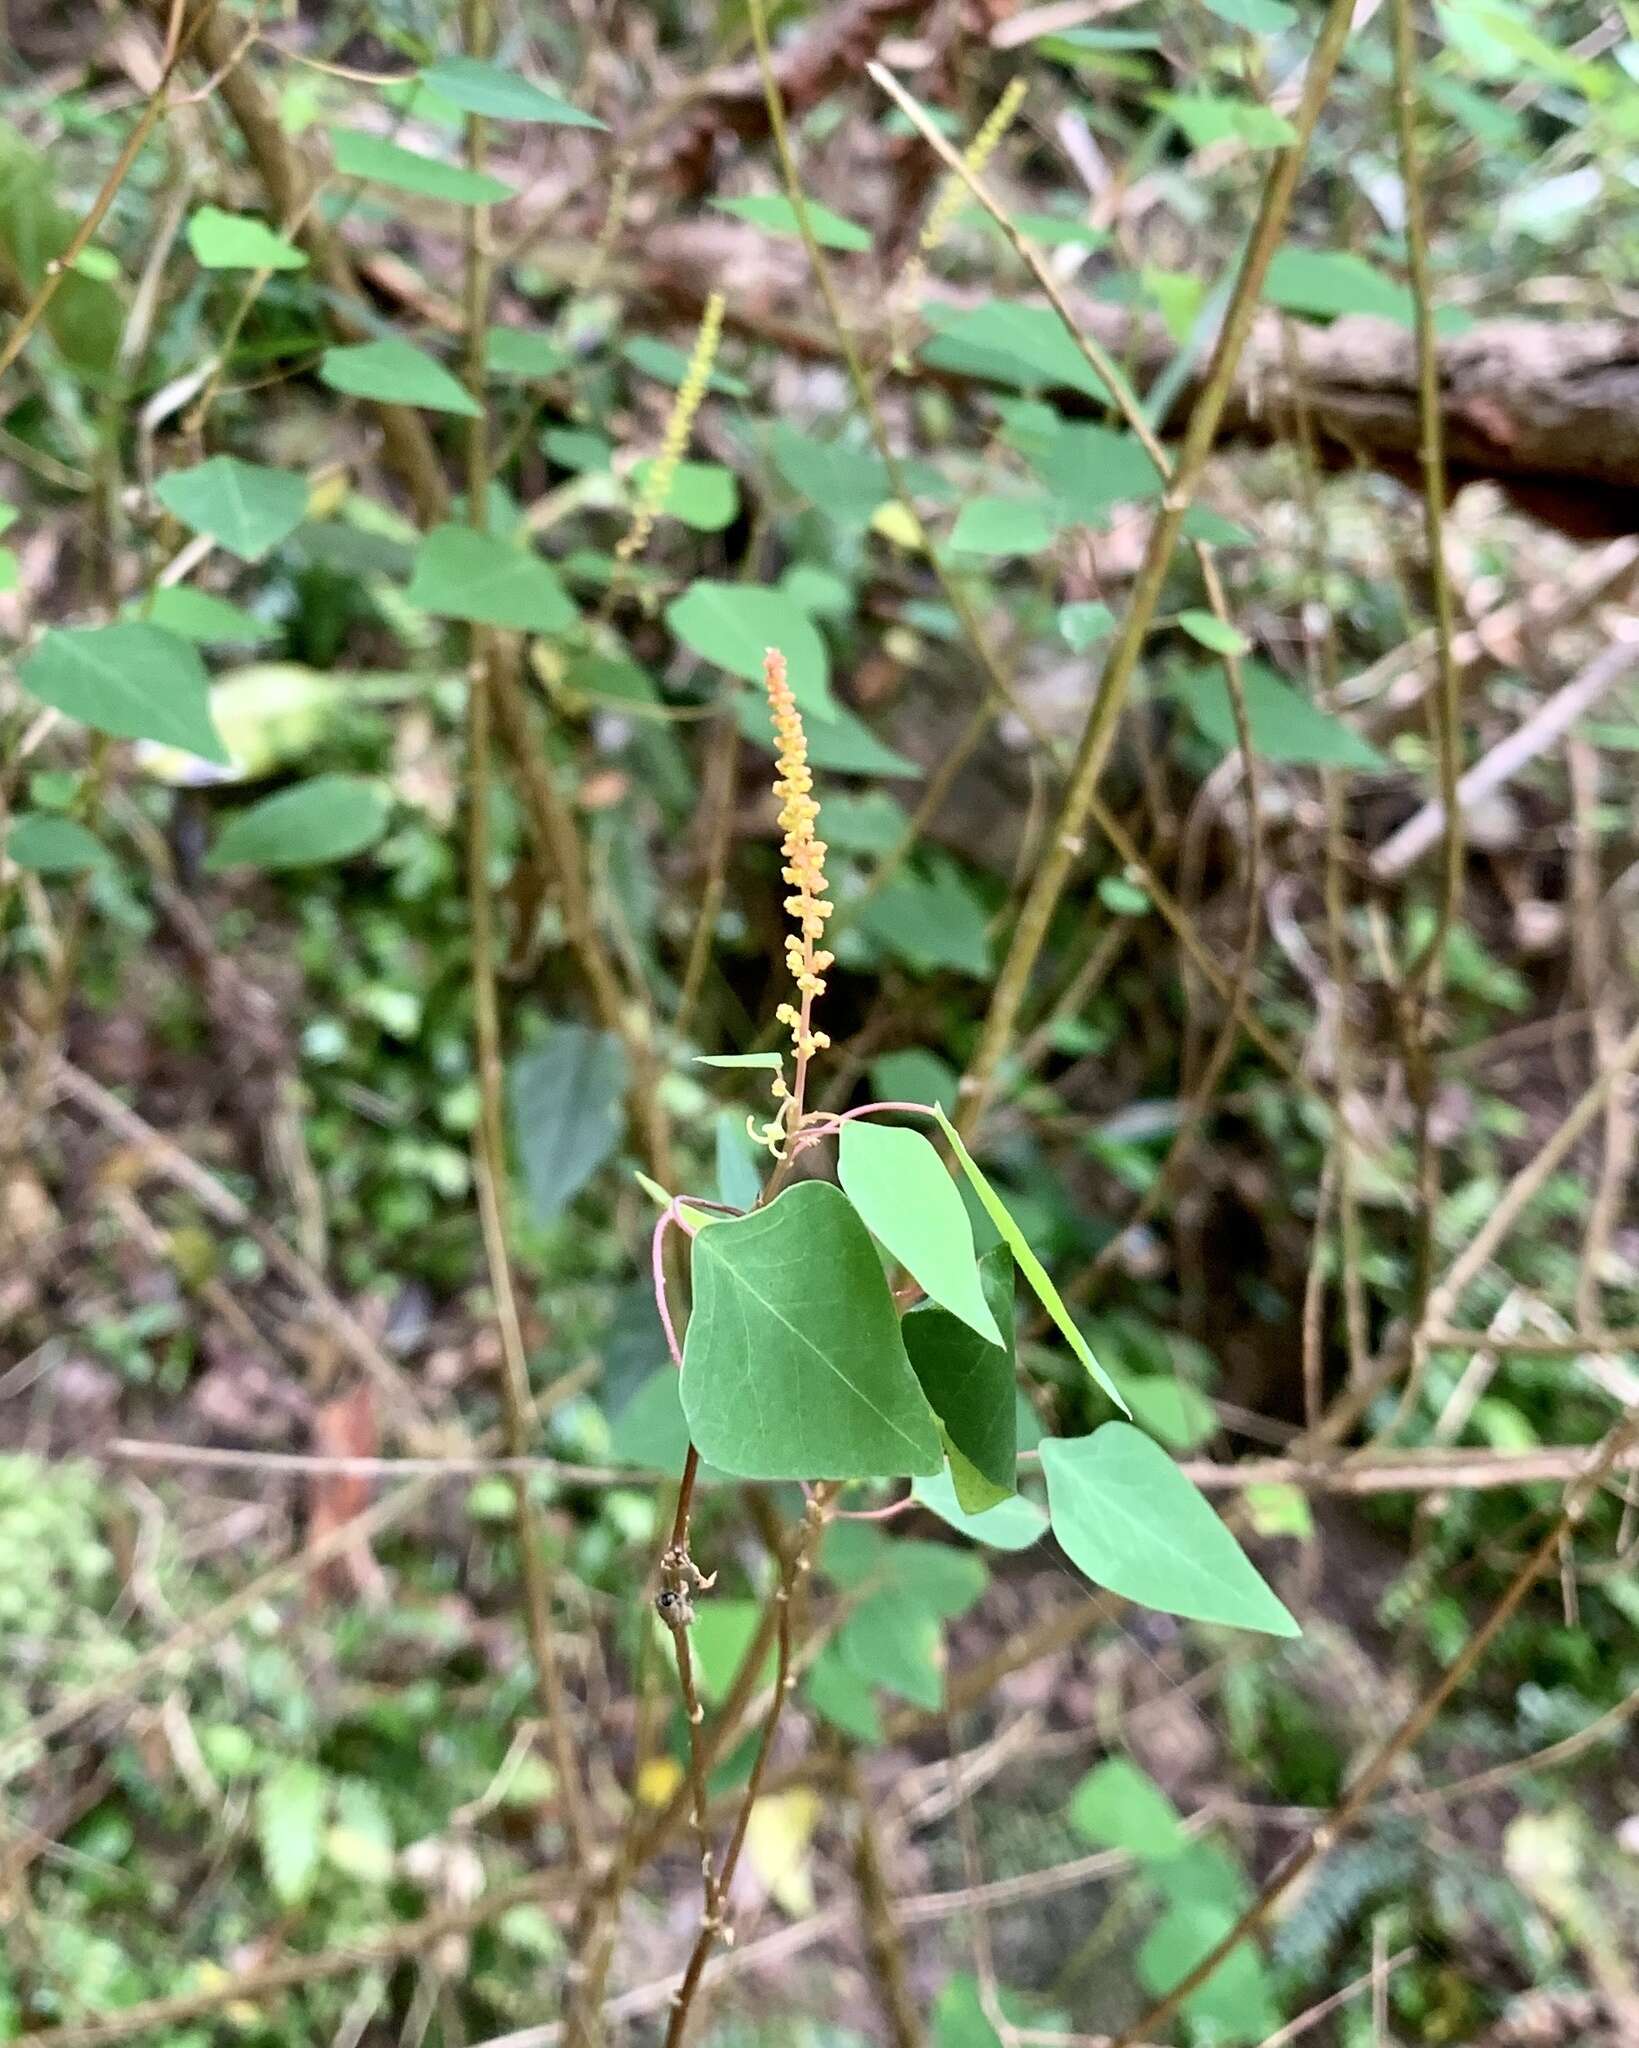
[
  {"x": 733, "y": 625},
  {"x": 210, "y": 621},
  {"x": 969, "y": 1385},
  {"x": 905, "y": 1198},
  {"x": 1012, "y": 1524},
  {"x": 290, "y": 1815},
  {"x": 502, "y": 95},
  {"x": 394, "y": 372},
  {"x": 703, "y": 495},
  {"x": 1029, "y": 1265},
  {"x": 407, "y": 170},
  {"x": 329, "y": 818},
  {"x": 775, "y": 213},
  {"x": 48, "y": 844},
  {"x": 1118, "y": 1806},
  {"x": 794, "y": 1367},
  {"x": 239, "y": 241},
  {"x": 566, "y": 1112},
  {"x": 1127, "y": 1515},
  {"x": 463, "y": 574},
  {"x": 1284, "y": 726},
  {"x": 243, "y": 506},
  {"x": 137, "y": 682}
]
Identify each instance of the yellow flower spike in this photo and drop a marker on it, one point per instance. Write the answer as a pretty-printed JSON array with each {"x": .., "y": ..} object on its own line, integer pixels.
[
  {"x": 802, "y": 856},
  {"x": 977, "y": 154},
  {"x": 657, "y": 485}
]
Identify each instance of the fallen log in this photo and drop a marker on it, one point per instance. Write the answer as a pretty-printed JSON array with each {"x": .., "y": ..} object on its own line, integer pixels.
[{"x": 1549, "y": 409}]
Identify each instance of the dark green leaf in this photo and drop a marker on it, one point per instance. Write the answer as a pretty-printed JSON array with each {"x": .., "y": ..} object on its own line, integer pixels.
[
  {"x": 930, "y": 918},
  {"x": 740, "y": 1163},
  {"x": 794, "y": 1367},
  {"x": 836, "y": 1692},
  {"x": 1008, "y": 343},
  {"x": 243, "y": 506},
  {"x": 137, "y": 682},
  {"x": 1235, "y": 2004},
  {"x": 969, "y": 1385},
  {"x": 84, "y": 317},
  {"x": 517, "y": 352},
  {"x": 1127, "y": 1515},
  {"x": 566, "y": 1112},
  {"x": 1284, "y": 726},
  {"x": 463, "y": 574},
  {"x": 329, "y": 818},
  {"x": 406, "y": 170},
  {"x": 1328, "y": 282},
  {"x": 846, "y": 483}
]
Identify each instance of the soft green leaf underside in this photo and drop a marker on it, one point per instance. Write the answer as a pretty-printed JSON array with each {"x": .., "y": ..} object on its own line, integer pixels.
[
  {"x": 1029, "y": 1265},
  {"x": 905, "y": 1198},
  {"x": 1133, "y": 1522},
  {"x": 794, "y": 1367}
]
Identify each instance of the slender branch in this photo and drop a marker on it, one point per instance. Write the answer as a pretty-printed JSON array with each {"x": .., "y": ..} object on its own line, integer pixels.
[
  {"x": 1067, "y": 840},
  {"x": 489, "y": 1138}
]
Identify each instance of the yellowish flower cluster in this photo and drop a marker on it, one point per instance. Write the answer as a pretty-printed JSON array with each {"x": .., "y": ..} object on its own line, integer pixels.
[
  {"x": 657, "y": 485},
  {"x": 977, "y": 154},
  {"x": 803, "y": 854}
]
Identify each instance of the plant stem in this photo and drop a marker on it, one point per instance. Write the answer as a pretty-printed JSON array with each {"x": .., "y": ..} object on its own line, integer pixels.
[{"x": 490, "y": 1163}]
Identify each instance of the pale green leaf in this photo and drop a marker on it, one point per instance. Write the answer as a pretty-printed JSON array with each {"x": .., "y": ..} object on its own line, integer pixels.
[
  {"x": 794, "y": 1367},
  {"x": 668, "y": 365},
  {"x": 1257, "y": 17},
  {"x": 733, "y": 625},
  {"x": 1211, "y": 631},
  {"x": 1235, "y": 2005},
  {"x": 1011, "y": 1525},
  {"x": 463, "y": 574},
  {"x": 1004, "y": 526},
  {"x": 501, "y": 94},
  {"x": 740, "y": 1163},
  {"x": 1126, "y": 1514},
  {"x": 842, "y": 743},
  {"x": 931, "y": 918},
  {"x": 771, "y": 1061},
  {"x": 243, "y": 506},
  {"x": 407, "y": 170},
  {"x": 395, "y": 373},
  {"x": 1206, "y": 119},
  {"x": 329, "y": 818},
  {"x": 905, "y": 1198},
  {"x": 1118, "y": 1806},
  {"x": 1029, "y": 1265},
  {"x": 703, "y": 495},
  {"x": 239, "y": 241},
  {"x": 211, "y": 621},
  {"x": 137, "y": 682},
  {"x": 517, "y": 352},
  {"x": 1086, "y": 623},
  {"x": 1326, "y": 283},
  {"x": 290, "y": 1816},
  {"x": 775, "y": 213},
  {"x": 1009, "y": 343}
]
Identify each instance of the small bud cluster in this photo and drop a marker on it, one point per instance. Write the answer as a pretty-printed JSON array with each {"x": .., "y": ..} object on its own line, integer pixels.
[
  {"x": 657, "y": 485},
  {"x": 803, "y": 855}
]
